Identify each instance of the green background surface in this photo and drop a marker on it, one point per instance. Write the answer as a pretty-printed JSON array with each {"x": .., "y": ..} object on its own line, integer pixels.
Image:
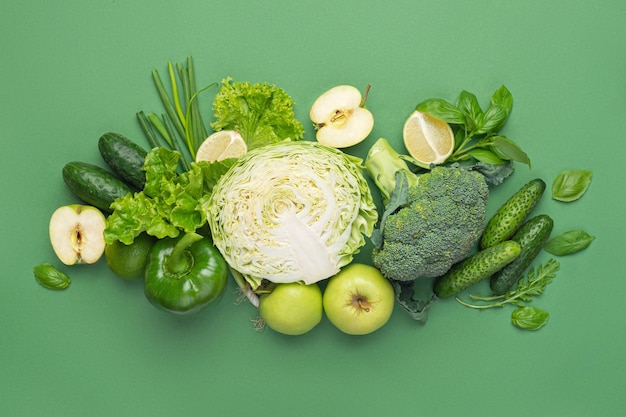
[{"x": 72, "y": 70}]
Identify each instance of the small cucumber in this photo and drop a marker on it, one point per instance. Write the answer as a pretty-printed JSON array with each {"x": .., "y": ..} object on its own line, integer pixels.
[
  {"x": 94, "y": 185},
  {"x": 475, "y": 268},
  {"x": 512, "y": 214},
  {"x": 125, "y": 158},
  {"x": 531, "y": 238}
]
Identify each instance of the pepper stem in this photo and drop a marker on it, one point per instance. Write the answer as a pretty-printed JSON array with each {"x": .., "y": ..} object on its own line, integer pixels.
[{"x": 179, "y": 261}]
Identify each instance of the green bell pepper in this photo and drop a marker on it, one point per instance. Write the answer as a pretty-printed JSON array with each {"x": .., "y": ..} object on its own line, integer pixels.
[{"x": 185, "y": 274}]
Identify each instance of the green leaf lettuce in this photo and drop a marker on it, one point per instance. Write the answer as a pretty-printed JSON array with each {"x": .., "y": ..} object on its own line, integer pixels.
[{"x": 262, "y": 113}]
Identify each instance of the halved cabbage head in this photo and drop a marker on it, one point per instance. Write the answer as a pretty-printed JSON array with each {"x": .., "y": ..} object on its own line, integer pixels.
[{"x": 291, "y": 211}]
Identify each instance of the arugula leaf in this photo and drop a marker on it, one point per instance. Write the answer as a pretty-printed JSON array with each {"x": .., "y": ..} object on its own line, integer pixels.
[
  {"x": 261, "y": 113},
  {"x": 529, "y": 286}
]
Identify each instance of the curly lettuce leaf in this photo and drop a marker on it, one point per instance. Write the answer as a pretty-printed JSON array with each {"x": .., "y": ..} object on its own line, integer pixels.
[
  {"x": 170, "y": 202},
  {"x": 262, "y": 113}
]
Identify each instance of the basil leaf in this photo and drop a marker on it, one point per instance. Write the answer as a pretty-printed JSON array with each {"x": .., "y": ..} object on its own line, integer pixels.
[
  {"x": 468, "y": 104},
  {"x": 486, "y": 156},
  {"x": 503, "y": 97},
  {"x": 459, "y": 137},
  {"x": 505, "y": 148},
  {"x": 443, "y": 110},
  {"x": 529, "y": 318},
  {"x": 571, "y": 184},
  {"x": 50, "y": 277},
  {"x": 493, "y": 119},
  {"x": 568, "y": 242}
]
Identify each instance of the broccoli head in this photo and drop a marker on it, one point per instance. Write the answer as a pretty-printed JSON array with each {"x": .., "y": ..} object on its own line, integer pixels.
[{"x": 431, "y": 220}]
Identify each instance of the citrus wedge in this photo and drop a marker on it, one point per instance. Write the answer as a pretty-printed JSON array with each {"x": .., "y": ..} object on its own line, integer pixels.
[
  {"x": 221, "y": 145},
  {"x": 428, "y": 139}
]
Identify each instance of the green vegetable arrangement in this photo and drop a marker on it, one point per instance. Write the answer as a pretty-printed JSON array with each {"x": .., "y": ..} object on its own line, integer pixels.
[{"x": 292, "y": 211}]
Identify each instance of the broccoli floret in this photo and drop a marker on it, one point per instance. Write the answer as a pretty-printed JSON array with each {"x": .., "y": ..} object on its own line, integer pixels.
[{"x": 431, "y": 220}]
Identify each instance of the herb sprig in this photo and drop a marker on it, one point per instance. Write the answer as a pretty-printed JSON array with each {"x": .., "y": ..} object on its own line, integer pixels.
[
  {"x": 531, "y": 285},
  {"x": 476, "y": 130}
]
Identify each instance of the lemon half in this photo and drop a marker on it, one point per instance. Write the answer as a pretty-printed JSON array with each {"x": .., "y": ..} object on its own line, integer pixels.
[
  {"x": 428, "y": 139},
  {"x": 222, "y": 145}
]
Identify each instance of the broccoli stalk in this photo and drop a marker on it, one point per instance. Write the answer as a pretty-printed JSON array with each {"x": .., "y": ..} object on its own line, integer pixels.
[
  {"x": 382, "y": 163},
  {"x": 431, "y": 220}
]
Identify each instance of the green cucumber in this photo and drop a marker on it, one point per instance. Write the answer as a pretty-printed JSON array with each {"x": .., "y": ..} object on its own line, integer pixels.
[
  {"x": 125, "y": 158},
  {"x": 531, "y": 237},
  {"x": 93, "y": 184},
  {"x": 475, "y": 268},
  {"x": 512, "y": 214}
]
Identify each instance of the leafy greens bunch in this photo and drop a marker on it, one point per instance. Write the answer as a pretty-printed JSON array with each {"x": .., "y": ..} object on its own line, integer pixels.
[
  {"x": 476, "y": 130},
  {"x": 170, "y": 202}
]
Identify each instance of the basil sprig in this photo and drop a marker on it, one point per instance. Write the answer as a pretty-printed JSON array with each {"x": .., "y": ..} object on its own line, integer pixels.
[{"x": 476, "y": 130}]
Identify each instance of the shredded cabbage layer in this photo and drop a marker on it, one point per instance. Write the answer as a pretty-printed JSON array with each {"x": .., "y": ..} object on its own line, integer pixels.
[{"x": 291, "y": 211}]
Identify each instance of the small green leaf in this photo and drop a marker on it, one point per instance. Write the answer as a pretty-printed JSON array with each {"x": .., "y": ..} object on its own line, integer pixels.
[
  {"x": 529, "y": 318},
  {"x": 571, "y": 184},
  {"x": 486, "y": 156},
  {"x": 506, "y": 149},
  {"x": 443, "y": 110},
  {"x": 503, "y": 97},
  {"x": 492, "y": 119},
  {"x": 459, "y": 137},
  {"x": 50, "y": 277},
  {"x": 468, "y": 104},
  {"x": 568, "y": 242}
]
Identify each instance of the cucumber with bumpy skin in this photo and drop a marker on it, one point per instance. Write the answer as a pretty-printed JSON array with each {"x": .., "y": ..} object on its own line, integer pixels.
[
  {"x": 475, "y": 268},
  {"x": 94, "y": 185},
  {"x": 531, "y": 237},
  {"x": 125, "y": 158},
  {"x": 512, "y": 214}
]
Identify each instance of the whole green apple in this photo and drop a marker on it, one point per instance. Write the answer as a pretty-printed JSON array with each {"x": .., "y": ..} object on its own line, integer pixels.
[
  {"x": 359, "y": 299},
  {"x": 292, "y": 308}
]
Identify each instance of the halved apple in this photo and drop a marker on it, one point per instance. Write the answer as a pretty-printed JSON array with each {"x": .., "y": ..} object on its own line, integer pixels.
[
  {"x": 340, "y": 117},
  {"x": 77, "y": 234}
]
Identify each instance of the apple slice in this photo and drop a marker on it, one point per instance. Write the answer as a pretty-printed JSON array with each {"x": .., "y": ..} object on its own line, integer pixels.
[
  {"x": 77, "y": 234},
  {"x": 340, "y": 117}
]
